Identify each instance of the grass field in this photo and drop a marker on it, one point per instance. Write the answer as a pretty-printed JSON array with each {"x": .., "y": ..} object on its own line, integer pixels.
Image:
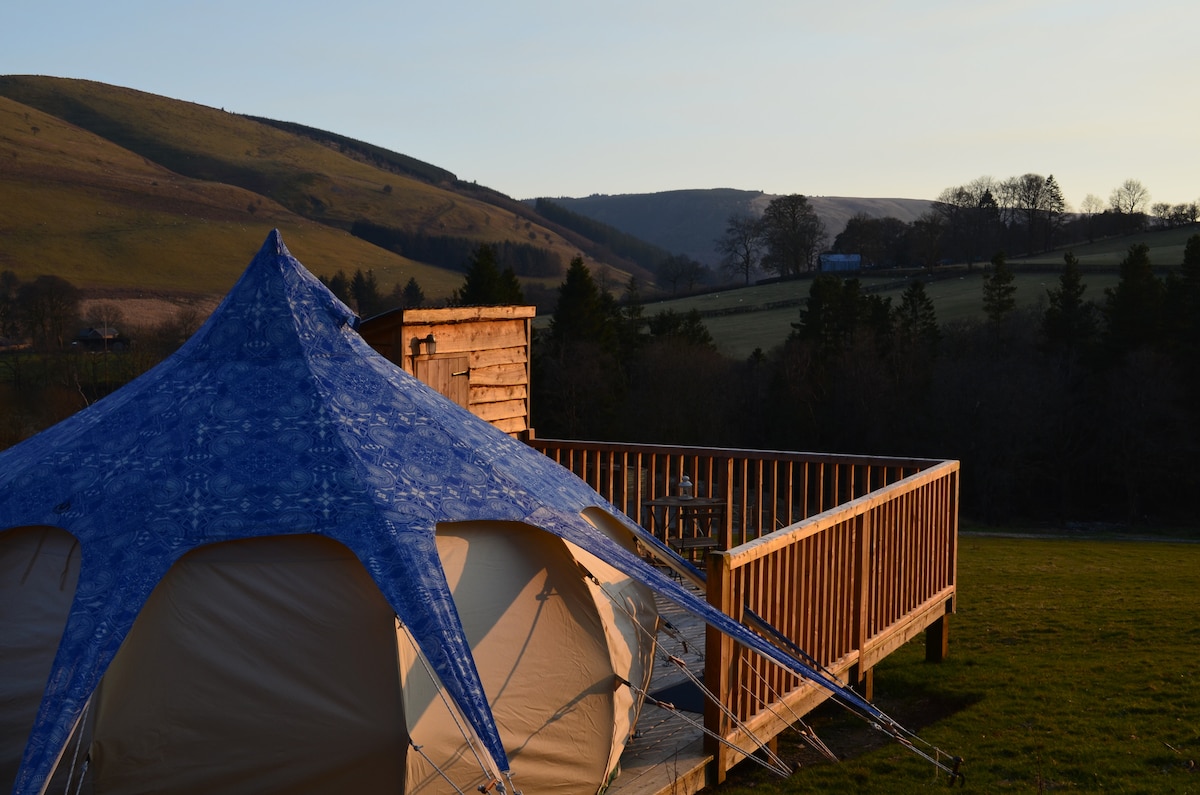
[
  {"x": 748, "y": 318},
  {"x": 761, "y": 316},
  {"x": 1073, "y": 667}
]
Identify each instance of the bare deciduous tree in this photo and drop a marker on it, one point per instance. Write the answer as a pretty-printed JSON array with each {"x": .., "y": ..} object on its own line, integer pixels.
[
  {"x": 1092, "y": 204},
  {"x": 1129, "y": 197},
  {"x": 49, "y": 307},
  {"x": 741, "y": 247}
]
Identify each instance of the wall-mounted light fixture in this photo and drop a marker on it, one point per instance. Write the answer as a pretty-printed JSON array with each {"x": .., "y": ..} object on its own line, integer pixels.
[{"x": 424, "y": 345}]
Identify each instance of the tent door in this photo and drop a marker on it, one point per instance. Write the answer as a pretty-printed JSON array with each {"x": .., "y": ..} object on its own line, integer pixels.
[{"x": 450, "y": 376}]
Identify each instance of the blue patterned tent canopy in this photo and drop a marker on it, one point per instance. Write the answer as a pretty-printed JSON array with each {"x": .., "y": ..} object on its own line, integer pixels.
[{"x": 276, "y": 418}]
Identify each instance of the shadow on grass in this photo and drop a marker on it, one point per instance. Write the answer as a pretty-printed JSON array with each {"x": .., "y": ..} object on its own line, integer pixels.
[{"x": 848, "y": 736}]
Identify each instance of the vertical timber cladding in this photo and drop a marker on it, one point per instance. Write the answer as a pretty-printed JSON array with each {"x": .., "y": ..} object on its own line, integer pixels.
[{"x": 480, "y": 356}]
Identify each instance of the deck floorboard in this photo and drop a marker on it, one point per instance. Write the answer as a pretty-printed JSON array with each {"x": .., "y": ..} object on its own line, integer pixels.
[{"x": 666, "y": 754}]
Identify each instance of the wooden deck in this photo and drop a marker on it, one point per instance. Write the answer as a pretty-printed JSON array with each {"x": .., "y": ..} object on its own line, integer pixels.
[
  {"x": 667, "y": 754},
  {"x": 848, "y": 557}
]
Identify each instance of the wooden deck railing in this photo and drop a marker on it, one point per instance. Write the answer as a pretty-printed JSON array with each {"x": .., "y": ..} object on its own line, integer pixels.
[
  {"x": 849, "y": 556},
  {"x": 849, "y": 586},
  {"x": 764, "y": 490}
]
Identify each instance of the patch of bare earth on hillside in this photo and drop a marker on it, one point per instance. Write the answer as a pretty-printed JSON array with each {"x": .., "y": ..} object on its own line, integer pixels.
[{"x": 146, "y": 309}]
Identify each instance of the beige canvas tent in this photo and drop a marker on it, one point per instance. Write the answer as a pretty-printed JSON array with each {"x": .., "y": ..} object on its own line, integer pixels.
[
  {"x": 275, "y": 665},
  {"x": 551, "y": 638},
  {"x": 273, "y": 560}
]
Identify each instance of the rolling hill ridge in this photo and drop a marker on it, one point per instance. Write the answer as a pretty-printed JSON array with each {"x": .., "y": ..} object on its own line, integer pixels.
[
  {"x": 111, "y": 187},
  {"x": 125, "y": 192},
  {"x": 689, "y": 221}
]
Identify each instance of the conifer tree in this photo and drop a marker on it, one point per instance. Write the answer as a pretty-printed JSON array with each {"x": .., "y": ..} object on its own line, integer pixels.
[
  {"x": 915, "y": 317},
  {"x": 582, "y": 312},
  {"x": 364, "y": 289},
  {"x": 837, "y": 310},
  {"x": 579, "y": 379},
  {"x": 687, "y": 327},
  {"x": 1183, "y": 313},
  {"x": 485, "y": 284},
  {"x": 999, "y": 290},
  {"x": 413, "y": 296},
  {"x": 1133, "y": 308},
  {"x": 1069, "y": 321},
  {"x": 1055, "y": 206},
  {"x": 631, "y": 319},
  {"x": 9, "y": 283},
  {"x": 339, "y": 285}
]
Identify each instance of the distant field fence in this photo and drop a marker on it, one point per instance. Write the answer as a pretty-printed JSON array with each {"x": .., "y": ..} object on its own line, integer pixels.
[{"x": 849, "y": 556}]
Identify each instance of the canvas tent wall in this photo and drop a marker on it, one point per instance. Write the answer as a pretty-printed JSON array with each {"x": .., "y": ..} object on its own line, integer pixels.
[
  {"x": 39, "y": 568},
  {"x": 257, "y": 665},
  {"x": 542, "y": 629},
  {"x": 270, "y": 665}
]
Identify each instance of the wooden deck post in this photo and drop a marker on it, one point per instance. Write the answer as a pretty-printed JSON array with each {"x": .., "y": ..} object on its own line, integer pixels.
[
  {"x": 937, "y": 640},
  {"x": 726, "y": 541},
  {"x": 719, "y": 651},
  {"x": 862, "y": 678}
]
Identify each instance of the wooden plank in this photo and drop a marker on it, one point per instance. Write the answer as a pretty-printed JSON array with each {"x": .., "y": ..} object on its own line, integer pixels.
[
  {"x": 937, "y": 640},
  {"x": 499, "y": 375},
  {"x": 385, "y": 323},
  {"x": 497, "y": 394},
  {"x": 496, "y": 411},
  {"x": 511, "y": 425},
  {"x": 458, "y": 314},
  {"x": 447, "y": 375},
  {"x": 861, "y": 568},
  {"x": 491, "y": 357},
  {"x": 775, "y": 718},
  {"x": 465, "y": 338},
  {"x": 683, "y": 773}
]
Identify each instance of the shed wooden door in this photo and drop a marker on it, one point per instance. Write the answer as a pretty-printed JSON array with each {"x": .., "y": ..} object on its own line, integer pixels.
[{"x": 450, "y": 375}]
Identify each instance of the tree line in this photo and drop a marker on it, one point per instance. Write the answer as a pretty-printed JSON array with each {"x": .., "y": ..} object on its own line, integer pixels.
[
  {"x": 606, "y": 237},
  {"x": 1085, "y": 409},
  {"x": 43, "y": 378},
  {"x": 966, "y": 223},
  {"x": 445, "y": 251},
  {"x": 487, "y": 282}
]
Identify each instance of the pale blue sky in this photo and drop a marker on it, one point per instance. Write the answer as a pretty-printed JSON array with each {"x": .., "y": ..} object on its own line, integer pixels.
[{"x": 874, "y": 99}]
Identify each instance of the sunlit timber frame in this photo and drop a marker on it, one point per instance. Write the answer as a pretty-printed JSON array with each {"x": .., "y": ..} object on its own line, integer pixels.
[
  {"x": 850, "y": 556},
  {"x": 477, "y": 356}
]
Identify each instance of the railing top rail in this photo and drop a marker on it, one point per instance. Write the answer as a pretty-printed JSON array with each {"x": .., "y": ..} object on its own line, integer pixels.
[
  {"x": 780, "y": 538},
  {"x": 737, "y": 452}
]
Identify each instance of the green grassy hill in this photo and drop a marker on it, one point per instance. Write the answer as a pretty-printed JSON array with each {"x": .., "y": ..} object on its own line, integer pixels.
[
  {"x": 114, "y": 188},
  {"x": 1166, "y": 250},
  {"x": 126, "y": 193}
]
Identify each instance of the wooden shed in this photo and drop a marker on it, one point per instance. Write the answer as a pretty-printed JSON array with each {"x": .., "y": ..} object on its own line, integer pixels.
[{"x": 478, "y": 356}]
